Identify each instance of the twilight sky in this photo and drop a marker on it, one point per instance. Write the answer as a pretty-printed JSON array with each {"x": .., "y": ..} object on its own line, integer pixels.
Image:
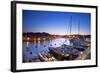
[{"x": 56, "y": 22}]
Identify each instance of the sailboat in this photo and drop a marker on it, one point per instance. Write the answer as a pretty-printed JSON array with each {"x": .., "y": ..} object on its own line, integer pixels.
[{"x": 60, "y": 53}]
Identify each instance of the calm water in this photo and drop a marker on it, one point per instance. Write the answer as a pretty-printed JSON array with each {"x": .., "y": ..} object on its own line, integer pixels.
[{"x": 32, "y": 49}]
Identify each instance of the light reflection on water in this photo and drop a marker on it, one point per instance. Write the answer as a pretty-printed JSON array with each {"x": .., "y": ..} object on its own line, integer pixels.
[{"x": 32, "y": 49}]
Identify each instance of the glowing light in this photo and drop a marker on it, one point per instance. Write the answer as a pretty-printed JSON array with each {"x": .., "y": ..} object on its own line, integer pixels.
[
  {"x": 44, "y": 39},
  {"x": 34, "y": 39},
  {"x": 38, "y": 39},
  {"x": 28, "y": 38}
]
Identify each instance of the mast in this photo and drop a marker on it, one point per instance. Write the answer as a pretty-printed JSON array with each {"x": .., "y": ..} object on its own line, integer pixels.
[
  {"x": 78, "y": 27},
  {"x": 70, "y": 24}
]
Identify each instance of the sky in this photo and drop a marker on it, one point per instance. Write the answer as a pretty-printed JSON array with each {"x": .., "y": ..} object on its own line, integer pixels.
[{"x": 57, "y": 23}]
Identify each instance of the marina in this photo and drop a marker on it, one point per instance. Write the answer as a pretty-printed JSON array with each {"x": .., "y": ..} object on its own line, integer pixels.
[
  {"x": 55, "y": 50},
  {"x": 65, "y": 39}
]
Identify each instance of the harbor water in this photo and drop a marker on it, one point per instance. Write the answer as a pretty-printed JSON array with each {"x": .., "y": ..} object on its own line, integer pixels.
[{"x": 32, "y": 49}]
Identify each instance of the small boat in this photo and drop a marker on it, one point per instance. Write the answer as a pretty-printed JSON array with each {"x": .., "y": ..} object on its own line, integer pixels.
[
  {"x": 59, "y": 53},
  {"x": 46, "y": 58}
]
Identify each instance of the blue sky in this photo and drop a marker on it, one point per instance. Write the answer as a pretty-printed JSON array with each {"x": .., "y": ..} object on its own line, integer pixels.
[{"x": 56, "y": 22}]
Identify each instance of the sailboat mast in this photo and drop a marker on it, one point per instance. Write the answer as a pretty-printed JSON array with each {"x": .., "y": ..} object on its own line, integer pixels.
[
  {"x": 70, "y": 24},
  {"x": 78, "y": 27}
]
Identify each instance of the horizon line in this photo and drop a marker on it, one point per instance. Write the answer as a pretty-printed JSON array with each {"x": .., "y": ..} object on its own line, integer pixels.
[{"x": 60, "y": 34}]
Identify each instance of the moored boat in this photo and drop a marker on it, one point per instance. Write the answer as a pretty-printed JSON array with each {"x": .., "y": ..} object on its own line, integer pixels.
[{"x": 46, "y": 58}]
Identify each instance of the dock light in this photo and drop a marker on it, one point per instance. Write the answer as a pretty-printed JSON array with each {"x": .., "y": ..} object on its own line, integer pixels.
[
  {"x": 67, "y": 54},
  {"x": 81, "y": 52},
  {"x": 28, "y": 38}
]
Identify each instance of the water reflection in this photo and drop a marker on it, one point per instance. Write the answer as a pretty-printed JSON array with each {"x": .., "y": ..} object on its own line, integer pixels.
[
  {"x": 32, "y": 49},
  {"x": 27, "y": 44}
]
